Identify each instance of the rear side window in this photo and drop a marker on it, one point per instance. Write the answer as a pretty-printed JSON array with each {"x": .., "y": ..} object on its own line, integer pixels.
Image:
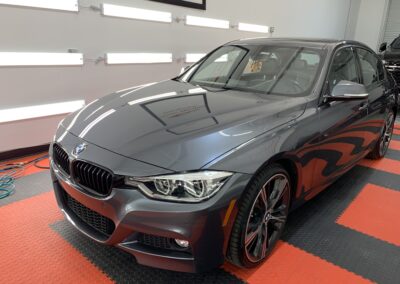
[
  {"x": 371, "y": 67},
  {"x": 343, "y": 67}
]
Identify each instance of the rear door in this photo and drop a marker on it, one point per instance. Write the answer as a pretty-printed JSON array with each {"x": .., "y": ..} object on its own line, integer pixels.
[
  {"x": 373, "y": 77},
  {"x": 341, "y": 123}
]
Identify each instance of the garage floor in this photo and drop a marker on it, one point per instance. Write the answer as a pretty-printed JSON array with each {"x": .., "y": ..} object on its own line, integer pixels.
[{"x": 350, "y": 233}]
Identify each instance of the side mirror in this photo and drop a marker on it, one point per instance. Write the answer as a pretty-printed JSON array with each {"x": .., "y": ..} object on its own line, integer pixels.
[
  {"x": 346, "y": 90},
  {"x": 383, "y": 46}
]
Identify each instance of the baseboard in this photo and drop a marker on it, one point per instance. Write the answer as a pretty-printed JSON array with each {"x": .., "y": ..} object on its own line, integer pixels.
[{"x": 12, "y": 154}]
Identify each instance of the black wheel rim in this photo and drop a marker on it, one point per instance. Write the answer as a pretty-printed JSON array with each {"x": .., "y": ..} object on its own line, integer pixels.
[
  {"x": 267, "y": 218},
  {"x": 387, "y": 134}
]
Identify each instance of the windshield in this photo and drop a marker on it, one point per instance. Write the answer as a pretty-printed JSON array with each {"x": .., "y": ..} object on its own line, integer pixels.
[
  {"x": 263, "y": 69},
  {"x": 396, "y": 43}
]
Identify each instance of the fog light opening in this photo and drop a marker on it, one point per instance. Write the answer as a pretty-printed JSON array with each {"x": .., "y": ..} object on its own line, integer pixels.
[{"x": 182, "y": 243}]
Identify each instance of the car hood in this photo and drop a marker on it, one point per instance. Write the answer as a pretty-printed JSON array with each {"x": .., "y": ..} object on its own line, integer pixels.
[
  {"x": 179, "y": 126},
  {"x": 391, "y": 55}
]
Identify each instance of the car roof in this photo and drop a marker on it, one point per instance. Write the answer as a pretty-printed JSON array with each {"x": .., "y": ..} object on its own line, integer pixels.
[{"x": 306, "y": 42}]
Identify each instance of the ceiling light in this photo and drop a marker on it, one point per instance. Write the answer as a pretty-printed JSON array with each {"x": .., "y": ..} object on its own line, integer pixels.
[
  {"x": 194, "y": 57},
  {"x": 136, "y": 13},
  {"x": 40, "y": 59},
  {"x": 207, "y": 22},
  {"x": 20, "y": 113},
  {"x": 138, "y": 58},
  {"x": 67, "y": 5},
  {"x": 253, "y": 28}
]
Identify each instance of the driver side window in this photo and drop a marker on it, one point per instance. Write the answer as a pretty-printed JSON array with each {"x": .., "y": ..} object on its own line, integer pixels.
[
  {"x": 343, "y": 68},
  {"x": 369, "y": 67}
]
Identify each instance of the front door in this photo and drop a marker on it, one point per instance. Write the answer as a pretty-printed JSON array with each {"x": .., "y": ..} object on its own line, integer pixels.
[
  {"x": 341, "y": 142},
  {"x": 373, "y": 77}
]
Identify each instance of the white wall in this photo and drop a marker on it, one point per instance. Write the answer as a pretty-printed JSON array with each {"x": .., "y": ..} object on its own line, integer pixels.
[
  {"x": 25, "y": 29},
  {"x": 370, "y": 21}
]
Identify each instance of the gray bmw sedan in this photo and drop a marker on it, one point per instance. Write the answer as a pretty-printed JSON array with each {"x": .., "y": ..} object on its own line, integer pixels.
[{"x": 204, "y": 167}]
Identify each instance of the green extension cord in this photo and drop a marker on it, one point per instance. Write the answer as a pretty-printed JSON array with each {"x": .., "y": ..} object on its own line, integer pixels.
[
  {"x": 10, "y": 172},
  {"x": 6, "y": 185}
]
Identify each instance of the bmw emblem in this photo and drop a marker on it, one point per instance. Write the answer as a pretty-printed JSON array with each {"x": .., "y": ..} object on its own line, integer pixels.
[{"x": 79, "y": 149}]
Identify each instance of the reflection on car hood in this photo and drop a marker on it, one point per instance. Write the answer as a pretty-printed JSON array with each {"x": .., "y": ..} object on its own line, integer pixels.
[{"x": 179, "y": 126}]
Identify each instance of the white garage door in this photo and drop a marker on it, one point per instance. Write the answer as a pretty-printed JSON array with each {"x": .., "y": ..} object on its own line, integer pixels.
[{"x": 392, "y": 29}]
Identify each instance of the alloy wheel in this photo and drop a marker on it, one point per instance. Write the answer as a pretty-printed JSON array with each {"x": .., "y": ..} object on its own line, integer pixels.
[
  {"x": 267, "y": 217},
  {"x": 387, "y": 134}
]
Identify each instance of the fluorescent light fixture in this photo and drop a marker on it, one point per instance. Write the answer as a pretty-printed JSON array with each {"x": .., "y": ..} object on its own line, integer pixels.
[
  {"x": 194, "y": 57},
  {"x": 20, "y": 113},
  {"x": 207, "y": 22},
  {"x": 40, "y": 59},
  {"x": 138, "y": 58},
  {"x": 253, "y": 28},
  {"x": 136, "y": 13},
  {"x": 67, "y": 5}
]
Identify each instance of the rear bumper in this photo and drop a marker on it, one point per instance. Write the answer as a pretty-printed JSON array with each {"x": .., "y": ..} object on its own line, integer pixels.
[{"x": 204, "y": 225}]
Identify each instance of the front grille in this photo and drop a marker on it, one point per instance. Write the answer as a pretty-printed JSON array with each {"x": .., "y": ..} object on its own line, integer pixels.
[
  {"x": 98, "y": 222},
  {"x": 61, "y": 159},
  {"x": 155, "y": 241},
  {"x": 93, "y": 177}
]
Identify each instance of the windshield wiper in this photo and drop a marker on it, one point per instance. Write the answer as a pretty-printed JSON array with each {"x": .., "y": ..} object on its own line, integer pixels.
[{"x": 209, "y": 88}]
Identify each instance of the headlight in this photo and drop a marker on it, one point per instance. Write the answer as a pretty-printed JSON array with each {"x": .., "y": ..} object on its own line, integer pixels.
[{"x": 190, "y": 187}]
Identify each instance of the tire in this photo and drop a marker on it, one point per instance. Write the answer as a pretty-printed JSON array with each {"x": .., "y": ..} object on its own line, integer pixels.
[
  {"x": 382, "y": 144},
  {"x": 257, "y": 218}
]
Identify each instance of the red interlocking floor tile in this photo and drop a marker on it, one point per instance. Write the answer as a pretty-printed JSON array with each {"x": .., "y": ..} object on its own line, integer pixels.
[
  {"x": 33, "y": 253},
  {"x": 396, "y": 131},
  {"x": 289, "y": 264},
  {"x": 387, "y": 165},
  {"x": 32, "y": 169},
  {"x": 395, "y": 145},
  {"x": 375, "y": 212}
]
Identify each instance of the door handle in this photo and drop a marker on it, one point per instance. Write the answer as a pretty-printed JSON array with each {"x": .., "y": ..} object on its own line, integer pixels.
[{"x": 363, "y": 106}]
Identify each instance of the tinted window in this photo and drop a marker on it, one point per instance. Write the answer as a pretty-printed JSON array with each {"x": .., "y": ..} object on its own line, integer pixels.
[
  {"x": 343, "y": 68},
  {"x": 263, "y": 69},
  {"x": 369, "y": 67},
  {"x": 396, "y": 43}
]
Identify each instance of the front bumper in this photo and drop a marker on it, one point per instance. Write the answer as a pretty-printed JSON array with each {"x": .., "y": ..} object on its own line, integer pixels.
[{"x": 205, "y": 225}]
